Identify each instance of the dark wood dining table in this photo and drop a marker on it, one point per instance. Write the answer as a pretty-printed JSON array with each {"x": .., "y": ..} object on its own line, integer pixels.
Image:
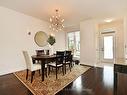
[{"x": 44, "y": 59}]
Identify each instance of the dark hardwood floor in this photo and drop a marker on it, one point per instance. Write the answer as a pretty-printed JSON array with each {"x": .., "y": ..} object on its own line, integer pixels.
[
  {"x": 96, "y": 81},
  {"x": 10, "y": 85}
]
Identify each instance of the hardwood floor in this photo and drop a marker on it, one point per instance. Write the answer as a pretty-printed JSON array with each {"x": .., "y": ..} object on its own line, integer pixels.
[
  {"x": 10, "y": 85},
  {"x": 96, "y": 81}
]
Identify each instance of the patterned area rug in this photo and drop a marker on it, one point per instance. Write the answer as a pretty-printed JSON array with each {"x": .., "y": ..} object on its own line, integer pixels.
[{"x": 50, "y": 86}]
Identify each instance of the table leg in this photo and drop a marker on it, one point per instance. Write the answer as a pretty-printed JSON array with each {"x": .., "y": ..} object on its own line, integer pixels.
[{"x": 43, "y": 69}]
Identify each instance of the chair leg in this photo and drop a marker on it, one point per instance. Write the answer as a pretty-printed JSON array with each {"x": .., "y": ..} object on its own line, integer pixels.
[
  {"x": 32, "y": 74},
  {"x": 56, "y": 72},
  {"x": 27, "y": 74},
  {"x": 63, "y": 69},
  {"x": 48, "y": 70},
  {"x": 70, "y": 67}
]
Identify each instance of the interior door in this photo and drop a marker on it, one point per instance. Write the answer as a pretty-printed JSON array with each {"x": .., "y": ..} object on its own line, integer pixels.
[{"x": 107, "y": 48}]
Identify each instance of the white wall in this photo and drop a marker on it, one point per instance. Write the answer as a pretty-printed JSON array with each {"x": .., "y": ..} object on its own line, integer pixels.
[
  {"x": 125, "y": 35},
  {"x": 14, "y": 38},
  {"x": 72, "y": 28},
  {"x": 61, "y": 42},
  {"x": 88, "y": 42}
]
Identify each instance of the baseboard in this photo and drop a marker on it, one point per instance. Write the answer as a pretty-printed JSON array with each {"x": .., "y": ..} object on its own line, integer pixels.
[
  {"x": 11, "y": 71},
  {"x": 86, "y": 65}
]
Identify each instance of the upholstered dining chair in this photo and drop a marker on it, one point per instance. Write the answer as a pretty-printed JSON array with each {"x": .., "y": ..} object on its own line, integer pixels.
[
  {"x": 30, "y": 65},
  {"x": 58, "y": 63}
]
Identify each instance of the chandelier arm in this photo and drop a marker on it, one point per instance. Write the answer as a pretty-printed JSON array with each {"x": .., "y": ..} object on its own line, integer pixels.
[{"x": 56, "y": 22}]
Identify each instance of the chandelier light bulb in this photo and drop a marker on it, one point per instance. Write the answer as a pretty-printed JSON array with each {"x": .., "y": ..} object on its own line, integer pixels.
[
  {"x": 50, "y": 20},
  {"x": 56, "y": 22},
  {"x": 62, "y": 20}
]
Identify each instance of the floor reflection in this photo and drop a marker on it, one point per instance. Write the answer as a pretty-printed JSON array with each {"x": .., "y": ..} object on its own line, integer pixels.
[
  {"x": 108, "y": 76},
  {"x": 77, "y": 85}
]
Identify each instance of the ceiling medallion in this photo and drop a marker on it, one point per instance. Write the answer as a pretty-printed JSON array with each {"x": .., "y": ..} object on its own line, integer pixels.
[{"x": 56, "y": 22}]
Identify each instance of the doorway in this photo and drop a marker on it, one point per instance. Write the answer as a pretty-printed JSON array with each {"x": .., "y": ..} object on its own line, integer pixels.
[{"x": 107, "y": 47}]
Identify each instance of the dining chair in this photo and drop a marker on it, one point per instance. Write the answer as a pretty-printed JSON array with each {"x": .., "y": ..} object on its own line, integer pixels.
[
  {"x": 40, "y": 52},
  {"x": 68, "y": 60},
  {"x": 58, "y": 63},
  {"x": 31, "y": 65}
]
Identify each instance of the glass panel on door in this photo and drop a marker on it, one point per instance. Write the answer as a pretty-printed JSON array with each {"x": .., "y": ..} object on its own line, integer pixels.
[{"x": 108, "y": 47}]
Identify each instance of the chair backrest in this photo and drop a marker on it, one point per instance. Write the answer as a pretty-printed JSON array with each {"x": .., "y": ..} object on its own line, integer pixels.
[
  {"x": 40, "y": 52},
  {"x": 68, "y": 56},
  {"x": 28, "y": 60},
  {"x": 68, "y": 52},
  {"x": 60, "y": 52},
  {"x": 60, "y": 57}
]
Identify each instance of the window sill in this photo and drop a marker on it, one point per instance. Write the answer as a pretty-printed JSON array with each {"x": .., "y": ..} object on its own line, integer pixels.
[{"x": 76, "y": 57}]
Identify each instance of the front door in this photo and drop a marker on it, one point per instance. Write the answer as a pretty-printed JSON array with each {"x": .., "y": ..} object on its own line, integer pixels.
[{"x": 107, "y": 48}]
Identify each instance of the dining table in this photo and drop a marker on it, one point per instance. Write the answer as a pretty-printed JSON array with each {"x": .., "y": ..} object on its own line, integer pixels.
[{"x": 44, "y": 59}]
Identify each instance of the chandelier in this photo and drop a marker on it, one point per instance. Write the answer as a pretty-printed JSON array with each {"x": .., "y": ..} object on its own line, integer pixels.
[{"x": 56, "y": 22}]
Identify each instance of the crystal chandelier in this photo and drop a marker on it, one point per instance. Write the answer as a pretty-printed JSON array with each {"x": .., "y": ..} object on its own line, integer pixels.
[{"x": 56, "y": 22}]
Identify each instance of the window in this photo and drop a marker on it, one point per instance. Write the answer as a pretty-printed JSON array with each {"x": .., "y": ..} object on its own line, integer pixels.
[{"x": 74, "y": 42}]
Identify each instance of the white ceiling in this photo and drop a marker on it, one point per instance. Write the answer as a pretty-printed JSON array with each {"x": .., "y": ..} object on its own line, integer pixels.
[{"x": 73, "y": 11}]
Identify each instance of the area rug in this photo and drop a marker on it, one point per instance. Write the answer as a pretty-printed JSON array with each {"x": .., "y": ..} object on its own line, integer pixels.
[{"x": 51, "y": 85}]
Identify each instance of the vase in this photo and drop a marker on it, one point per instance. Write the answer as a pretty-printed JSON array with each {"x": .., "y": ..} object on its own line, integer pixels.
[{"x": 51, "y": 50}]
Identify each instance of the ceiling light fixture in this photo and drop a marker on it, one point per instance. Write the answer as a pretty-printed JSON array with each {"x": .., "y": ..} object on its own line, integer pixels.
[
  {"x": 108, "y": 20},
  {"x": 56, "y": 22}
]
